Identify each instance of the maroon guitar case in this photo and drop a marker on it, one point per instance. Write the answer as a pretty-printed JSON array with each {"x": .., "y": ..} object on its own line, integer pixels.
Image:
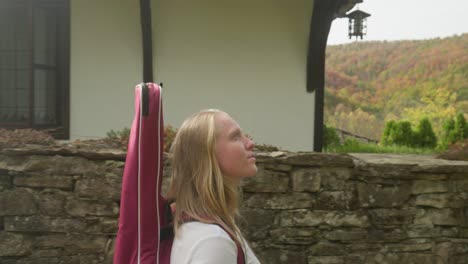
[{"x": 142, "y": 206}]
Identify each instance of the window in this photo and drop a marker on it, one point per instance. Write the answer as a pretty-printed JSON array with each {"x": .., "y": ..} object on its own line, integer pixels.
[{"x": 34, "y": 65}]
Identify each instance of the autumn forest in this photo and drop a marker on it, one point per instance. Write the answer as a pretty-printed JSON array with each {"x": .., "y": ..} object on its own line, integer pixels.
[{"x": 369, "y": 83}]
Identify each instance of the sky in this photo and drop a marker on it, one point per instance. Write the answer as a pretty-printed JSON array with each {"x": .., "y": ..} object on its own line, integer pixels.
[{"x": 406, "y": 19}]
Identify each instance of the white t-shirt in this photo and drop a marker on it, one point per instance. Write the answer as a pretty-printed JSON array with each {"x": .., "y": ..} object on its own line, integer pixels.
[{"x": 199, "y": 243}]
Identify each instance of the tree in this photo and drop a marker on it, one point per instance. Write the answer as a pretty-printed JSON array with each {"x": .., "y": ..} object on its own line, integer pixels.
[
  {"x": 437, "y": 103},
  {"x": 386, "y": 140},
  {"x": 330, "y": 138},
  {"x": 460, "y": 127},
  {"x": 425, "y": 136},
  {"x": 398, "y": 133},
  {"x": 453, "y": 130},
  {"x": 403, "y": 134}
]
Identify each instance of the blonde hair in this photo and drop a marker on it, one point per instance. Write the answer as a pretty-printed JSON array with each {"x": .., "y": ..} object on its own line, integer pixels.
[{"x": 199, "y": 188}]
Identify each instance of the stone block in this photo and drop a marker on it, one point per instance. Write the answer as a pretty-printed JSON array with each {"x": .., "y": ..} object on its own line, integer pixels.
[
  {"x": 46, "y": 253},
  {"x": 440, "y": 200},
  {"x": 82, "y": 208},
  {"x": 429, "y": 231},
  {"x": 327, "y": 249},
  {"x": 5, "y": 182},
  {"x": 294, "y": 236},
  {"x": 315, "y": 218},
  {"x": 326, "y": 260},
  {"x": 372, "y": 195},
  {"x": 442, "y": 217},
  {"x": 44, "y": 224},
  {"x": 280, "y": 256},
  {"x": 280, "y": 201},
  {"x": 335, "y": 178},
  {"x": 421, "y": 186},
  {"x": 14, "y": 245},
  {"x": 78, "y": 259},
  {"x": 277, "y": 166},
  {"x": 386, "y": 235},
  {"x": 346, "y": 235},
  {"x": 392, "y": 216},
  {"x": 408, "y": 247},
  {"x": 296, "y": 218},
  {"x": 102, "y": 225},
  {"x": 335, "y": 200},
  {"x": 109, "y": 251},
  {"x": 363, "y": 248},
  {"x": 72, "y": 242},
  {"x": 318, "y": 160},
  {"x": 346, "y": 219},
  {"x": 267, "y": 181},
  {"x": 98, "y": 188},
  {"x": 17, "y": 202},
  {"x": 459, "y": 185},
  {"x": 60, "y": 165},
  {"x": 52, "y": 201},
  {"x": 85, "y": 244},
  {"x": 45, "y": 181},
  {"x": 306, "y": 180},
  {"x": 257, "y": 217},
  {"x": 398, "y": 258}
]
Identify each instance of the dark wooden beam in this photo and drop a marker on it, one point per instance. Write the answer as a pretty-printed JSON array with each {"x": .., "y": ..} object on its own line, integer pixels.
[
  {"x": 147, "y": 39},
  {"x": 322, "y": 16}
]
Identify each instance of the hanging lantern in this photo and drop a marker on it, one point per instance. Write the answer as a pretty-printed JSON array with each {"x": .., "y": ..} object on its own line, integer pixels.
[{"x": 357, "y": 23}]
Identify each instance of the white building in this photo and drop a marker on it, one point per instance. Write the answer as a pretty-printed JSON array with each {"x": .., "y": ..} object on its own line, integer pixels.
[{"x": 71, "y": 65}]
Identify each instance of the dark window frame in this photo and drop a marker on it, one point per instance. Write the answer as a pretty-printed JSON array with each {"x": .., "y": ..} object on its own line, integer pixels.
[{"x": 61, "y": 128}]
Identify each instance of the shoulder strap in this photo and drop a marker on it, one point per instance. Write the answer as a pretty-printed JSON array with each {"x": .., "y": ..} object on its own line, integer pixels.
[{"x": 240, "y": 250}]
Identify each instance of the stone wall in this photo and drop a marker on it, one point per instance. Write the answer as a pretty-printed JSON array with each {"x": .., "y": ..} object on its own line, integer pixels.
[{"x": 61, "y": 204}]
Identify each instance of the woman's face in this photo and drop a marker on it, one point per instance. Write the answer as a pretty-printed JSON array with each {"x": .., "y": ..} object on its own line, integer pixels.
[{"x": 234, "y": 151}]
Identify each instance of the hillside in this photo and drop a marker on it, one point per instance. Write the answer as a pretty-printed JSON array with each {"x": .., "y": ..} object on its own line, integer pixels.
[{"x": 368, "y": 83}]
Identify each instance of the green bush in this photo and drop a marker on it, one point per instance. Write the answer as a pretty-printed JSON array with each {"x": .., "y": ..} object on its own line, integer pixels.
[
  {"x": 460, "y": 127},
  {"x": 123, "y": 134},
  {"x": 404, "y": 134},
  {"x": 398, "y": 133},
  {"x": 454, "y": 130},
  {"x": 401, "y": 134},
  {"x": 386, "y": 139},
  {"x": 330, "y": 137},
  {"x": 425, "y": 137}
]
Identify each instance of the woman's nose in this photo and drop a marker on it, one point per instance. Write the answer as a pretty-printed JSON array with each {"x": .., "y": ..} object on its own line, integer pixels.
[{"x": 249, "y": 144}]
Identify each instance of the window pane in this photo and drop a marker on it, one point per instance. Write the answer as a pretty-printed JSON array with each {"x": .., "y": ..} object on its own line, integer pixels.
[
  {"x": 14, "y": 63},
  {"x": 44, "y": 97},
  {"x": 45, "y": 36}
]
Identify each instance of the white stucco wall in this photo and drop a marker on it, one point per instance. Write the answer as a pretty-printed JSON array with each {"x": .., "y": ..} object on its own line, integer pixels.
[
  {"x": 247, "y": 57},
  {"x": 105, "y": 64}
]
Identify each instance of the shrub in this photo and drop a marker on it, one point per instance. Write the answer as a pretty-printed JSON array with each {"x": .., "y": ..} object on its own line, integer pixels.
[
  {"x": 425, "y": 137},
  {"x": 121, "y": 137},
  {"x": 386, "y": 139},
  {"x": 460, "y": 127},
  {"x": 123, "y": 134},
  {"x": 169, "y": 136},
  {"x": 402, "y": 134},
  {"x": 330, "y": 137},
  {"x": 453, "y": 130}
]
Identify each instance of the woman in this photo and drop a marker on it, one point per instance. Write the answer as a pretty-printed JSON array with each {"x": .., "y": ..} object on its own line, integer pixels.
[{"x": 210, "y": 156}]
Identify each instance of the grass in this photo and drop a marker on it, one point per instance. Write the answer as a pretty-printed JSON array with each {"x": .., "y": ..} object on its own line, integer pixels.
[{"x": 353, "y": 146}]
